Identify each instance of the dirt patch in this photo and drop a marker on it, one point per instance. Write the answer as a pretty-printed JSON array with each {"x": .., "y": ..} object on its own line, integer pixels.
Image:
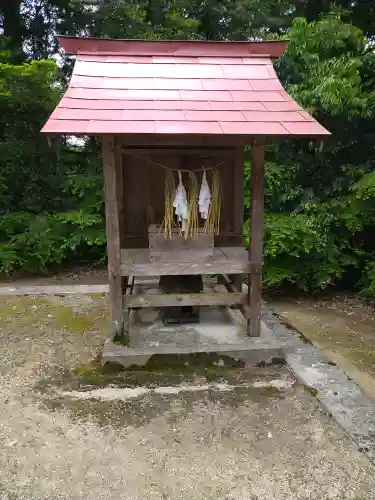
[
  {"x": 343, "y": 327},
  {"x": 51, "y": 334},
  {"x": 73, "y": 276}
]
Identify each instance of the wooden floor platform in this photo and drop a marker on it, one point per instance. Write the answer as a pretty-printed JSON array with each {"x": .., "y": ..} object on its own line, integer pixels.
[{"x": 225, "y": 260}]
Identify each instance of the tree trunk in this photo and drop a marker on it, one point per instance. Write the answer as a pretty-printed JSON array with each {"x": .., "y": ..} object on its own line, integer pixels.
[{"x": 13, "y": 29}]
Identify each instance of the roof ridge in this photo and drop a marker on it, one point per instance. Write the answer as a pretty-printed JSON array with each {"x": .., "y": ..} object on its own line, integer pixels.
[{"x": 270, "y": 48}]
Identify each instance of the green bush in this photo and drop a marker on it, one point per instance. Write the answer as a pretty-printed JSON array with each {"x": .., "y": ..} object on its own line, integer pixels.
[
  {"x": 37, "y": 243},
  {"x": 368, "y": 281},
  {"x": 33, "y": 243},
  {"x": 299, "y": 251}
]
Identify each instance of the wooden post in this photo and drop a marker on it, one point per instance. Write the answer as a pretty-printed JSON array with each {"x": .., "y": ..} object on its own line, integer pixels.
[
  {"x": 238, "y": 204},
  {"x": 256, "y": 234},
  {"x": 112, "y": 187},
  {"x": 120, "y": 195}
]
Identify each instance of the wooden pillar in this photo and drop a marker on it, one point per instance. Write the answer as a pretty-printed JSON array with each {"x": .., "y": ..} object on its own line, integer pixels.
[
  {"x": 113, "y": 188},
  {"x": 256, "y": 234},
  {"x": 120, "y": 195},
  {"x": 238, "y": 204}
]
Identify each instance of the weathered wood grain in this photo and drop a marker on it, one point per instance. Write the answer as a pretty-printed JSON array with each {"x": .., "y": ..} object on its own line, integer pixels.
[
  {"x": 232, "y": 287},
  {"x": 178, "y": 249},
  {"x": 238, "y": 190},
  {"x": 182, "y": 141},
  {"x": 136, "y": 262},
  {"x": 256, "y": 232},
  {"x": 172, "y": 150},
  {"x": 185, "y": 299},
  {"x": 112, "y": 176}
]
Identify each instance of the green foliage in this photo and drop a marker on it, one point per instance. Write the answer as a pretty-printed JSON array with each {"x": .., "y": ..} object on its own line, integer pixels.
[
  {"x": 28, "y": 165},
  {"x": 300, "y": 251},
  {"x": 35, "y": 243},
  {"x": 38, "y": 243},
  {"x": 368, "y": 281}
]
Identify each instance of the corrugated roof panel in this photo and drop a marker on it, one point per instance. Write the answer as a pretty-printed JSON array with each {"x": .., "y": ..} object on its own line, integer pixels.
[
  {"x": 88, "y": 82},
  {"x": 281, "y": 105},
  {"x": 225, "y": 84},
  {"x": 174, "y": 60},
  {"x": 118, "y": 114},
  {"x": 253, "y": 128},
  {"x": 220, "y": 60},
  {"x": 153, "y": 95},
  {"x": 82, "y": 93},
  {"x": 121, "y": 59},
  {"x": 266, "y": 84},
  {"x": 271, "y": 96},
  {"x": 63, "y": 126},
  {"x": 187, "y": 127},
  {"x": 237, "y": 105},
  {"x": 67, "y": 102},
  {"x": 273, "y": 116},
  {"x": 180, "y": 83},
  {"x": 141, "y": 70},
  {"x": 182, "y": 104},
  {"x": 136, "y": 87},
  {"x": 245, "y": 71},
  {"x": 306, "y": 128},
  {"x": 88, "y": 114},
  {"x": 121, "y": 127},
  {"x": 306, "y": 116},
  {"x": 256, "y": 60},
  {"x": 128, "y": 83},
  {"x": 210, "y": 116},
  {"x": 209, "y": 95}
]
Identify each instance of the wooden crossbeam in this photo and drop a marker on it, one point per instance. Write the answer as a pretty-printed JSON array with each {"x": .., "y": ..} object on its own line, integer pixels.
[{"x": 184, "y": 299}]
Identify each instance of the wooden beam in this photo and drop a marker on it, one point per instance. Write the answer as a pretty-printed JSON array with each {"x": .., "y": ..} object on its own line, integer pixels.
[
  {"x": 112, "y": 178},
  {"x": 182, "y": 140},
  {"x": 184, "y": 268},
  {"x": 225, "y": 260},
  {"x": 185, "y": 299},
  {"x": 223, "y": 239},
  {"x": 256, "y": 234},
  {"x": 231, "y": 287},
  {"x": 214, "y": 151}
]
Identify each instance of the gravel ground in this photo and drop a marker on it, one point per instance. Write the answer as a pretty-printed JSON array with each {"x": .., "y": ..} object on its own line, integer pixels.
[{"x": 253, "y": 440}]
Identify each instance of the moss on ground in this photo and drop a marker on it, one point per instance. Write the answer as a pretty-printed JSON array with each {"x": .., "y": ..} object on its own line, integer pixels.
[
  {"x": 95, "y": 375},
  {"x": 19, "y": 311},
  {"x": 67, "y": 319},
  {"x": 139, "y": 411},
  {"x": 310, "y": 390}
]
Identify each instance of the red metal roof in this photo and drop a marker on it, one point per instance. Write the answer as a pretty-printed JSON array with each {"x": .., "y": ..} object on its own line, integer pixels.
[{"x": 153, "y": 87}]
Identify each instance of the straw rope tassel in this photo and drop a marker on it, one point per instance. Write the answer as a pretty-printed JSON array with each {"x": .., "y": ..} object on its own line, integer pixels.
[
  {"x": 212, "y": 224},
  {"x": 193, "y": 220},
  {"x": 169, "y": 193}
]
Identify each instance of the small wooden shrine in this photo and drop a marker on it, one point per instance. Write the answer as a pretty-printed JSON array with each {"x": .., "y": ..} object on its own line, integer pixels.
[{"x": 174, "y": 111}]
